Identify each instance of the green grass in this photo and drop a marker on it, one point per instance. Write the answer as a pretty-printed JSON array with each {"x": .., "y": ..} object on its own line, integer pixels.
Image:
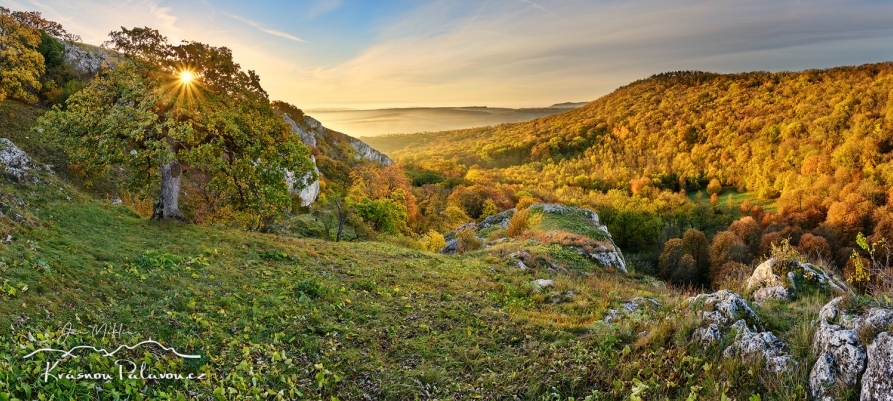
[
  {"x": 737, "y": 198},
  {"x": 574, "y": 221}
]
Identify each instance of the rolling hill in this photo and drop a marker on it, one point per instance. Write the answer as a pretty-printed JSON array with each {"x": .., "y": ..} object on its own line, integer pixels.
[{"x": 755, "y": 131}]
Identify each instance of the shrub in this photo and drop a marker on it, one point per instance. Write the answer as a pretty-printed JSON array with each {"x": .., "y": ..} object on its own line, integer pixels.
[
  {"x": 714, "y": 187},
  {"x": 521, "y": 221},
  {"x": 468, "y": 240},
  {"x": 525, "y": 202},
  {"x": 489, "y": 209},
  {"x": 434, "y": 241}
]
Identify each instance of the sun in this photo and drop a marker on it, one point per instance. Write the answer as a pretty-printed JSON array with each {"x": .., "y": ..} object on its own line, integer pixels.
[{"x": 186, "y": 77}]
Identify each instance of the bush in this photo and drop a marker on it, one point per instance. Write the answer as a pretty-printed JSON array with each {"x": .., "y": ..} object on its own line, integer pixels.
[
  {"x": 714, "y": 187},
  {"x": 489, "y": 209},
  {"x": 525, "y": 202},
  {"x": 434, "y": 241},
  {"x": 521, "y": 221},
  {"x": 468, "y": 240}
]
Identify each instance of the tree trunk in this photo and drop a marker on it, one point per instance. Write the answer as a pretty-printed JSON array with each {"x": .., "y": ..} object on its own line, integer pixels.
[
  {"x": 342, "y": 215},
  {"x": 168, "y": 205}
]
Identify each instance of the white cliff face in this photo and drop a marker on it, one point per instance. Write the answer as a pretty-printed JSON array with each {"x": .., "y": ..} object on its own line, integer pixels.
[
  {"x": 310, "y": 190},
  {"x": 311, "y": 131},
  {"x": 315, "y": 130},
  {"x": 84, "y": 58},
  {"x": 307, "y": 136}
]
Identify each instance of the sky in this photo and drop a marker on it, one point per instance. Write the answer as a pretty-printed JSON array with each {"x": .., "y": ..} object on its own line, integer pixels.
[{"x": 498, "y": 53}]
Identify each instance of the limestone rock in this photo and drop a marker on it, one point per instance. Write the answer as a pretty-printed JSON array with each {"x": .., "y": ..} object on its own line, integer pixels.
[
  {"x": 85, "y": 58},
  {"x": 877, "y": 382},
  {"x": 310, "y": 190},
  {"x": 723, "y": 307},
  {"x": 612, "y": 315},
  {"x": 875, "y": 320},
  {"x": 451, "y": 247},
  {"x": 766, "y": 293},
  {"x": 763, "y": 276},
  {"x": 831, "y": 311},
  {"x": 499, "y": 219},
  {"x": 841, "y": 361},
  {"x": 707, "y": 335},
  {"x": 544, "y": 283},
  {"x": 307, "y": 136},
  {"x": 14, "y": 162},
  {"x": 609, "y": 256},
  {"x": 774, "y": 279},
  {"x": 764, "y": 345}
]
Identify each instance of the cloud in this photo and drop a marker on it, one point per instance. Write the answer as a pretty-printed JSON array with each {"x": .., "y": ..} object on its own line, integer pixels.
[
  {"x": 266, "y": 30},
  {"x": 323, "y": 7},
  {"x": 518, "y": 53}
]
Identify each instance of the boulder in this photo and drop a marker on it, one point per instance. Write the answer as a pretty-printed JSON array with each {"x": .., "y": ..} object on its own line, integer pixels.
[
  {"x": 767, "y": 293},
  {"x": 543, "y": 283},
  {"x": 723, "y": 307},
  {"x": 841, "y": 361},
  {"x": 877, "y": 382},
  {"x": 780, "y": 280},
  {"x": 14, "y": 162},
  {"x": 765, "y": 345},
  {"x": 451, "y": 247}
]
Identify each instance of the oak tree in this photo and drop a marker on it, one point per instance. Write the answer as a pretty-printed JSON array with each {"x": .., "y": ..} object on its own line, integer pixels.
[{"x": 147, "y": 115}]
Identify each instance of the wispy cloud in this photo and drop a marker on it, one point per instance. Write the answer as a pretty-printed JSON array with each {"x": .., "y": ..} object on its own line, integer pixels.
[
  {"x": 266, "y": 30},
  {"x": 323, "y": 7},
  {"x": 535, "y": 5},
  {"x": 518, "y": 53}
]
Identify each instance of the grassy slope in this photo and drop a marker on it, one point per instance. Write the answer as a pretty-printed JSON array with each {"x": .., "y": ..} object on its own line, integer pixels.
[{"x": 277, "y": 317}]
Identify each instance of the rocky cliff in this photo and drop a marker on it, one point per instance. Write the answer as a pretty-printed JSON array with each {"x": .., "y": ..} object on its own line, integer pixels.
[
  {"x": 85, "y": 58},
  {"x": 333, "y": 144}
]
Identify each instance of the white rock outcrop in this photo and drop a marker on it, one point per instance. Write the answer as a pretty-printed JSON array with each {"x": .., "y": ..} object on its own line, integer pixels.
[
  {"x": 85, "y": 58},
  {"x": 778, "y": 280},
  {"x": 725, "y": 312},
  {"x": 765, "y": 345},
  {"x": 877, "y": 382},
  {"x": 611, "y": 254},
  {"x": 723, "y": 307},
  {"x": 310, "y": 130},
  {"x": 843, "y": 359},
  {"x": 13, "y": 161}
]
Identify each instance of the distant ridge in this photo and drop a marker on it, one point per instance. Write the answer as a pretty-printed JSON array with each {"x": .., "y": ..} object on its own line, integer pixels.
[{"x": 569, "y": 105}]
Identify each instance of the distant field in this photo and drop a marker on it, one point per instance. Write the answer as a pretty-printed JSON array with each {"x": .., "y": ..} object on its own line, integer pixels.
[
  {"x": 359, "y": 123},
  {"x": 737, "y": 198}
]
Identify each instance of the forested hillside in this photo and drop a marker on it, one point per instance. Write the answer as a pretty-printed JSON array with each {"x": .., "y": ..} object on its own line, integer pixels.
[
  {"x": 753, "y": 131},
  {"x": 812, "y": 147}
]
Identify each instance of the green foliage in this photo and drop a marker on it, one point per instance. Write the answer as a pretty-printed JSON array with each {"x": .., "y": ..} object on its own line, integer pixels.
[
  {"x": 385, "y": 215},
  {"x": 488, "y": 209},
  {"x": 295, "y": 113},
  {"x": 136, "y": 115},
  {"x": 52, "y": 50}
]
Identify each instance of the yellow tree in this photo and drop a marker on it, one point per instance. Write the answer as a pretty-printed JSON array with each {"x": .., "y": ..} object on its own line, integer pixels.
[{"x": 21, "y": 65}]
